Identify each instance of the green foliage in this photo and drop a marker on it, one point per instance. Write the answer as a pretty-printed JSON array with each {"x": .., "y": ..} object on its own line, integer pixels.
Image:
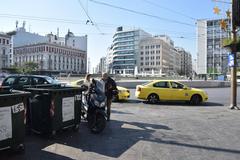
[
  {"x": 228, "y": 43},
  {"x": 28, "y": 68}
]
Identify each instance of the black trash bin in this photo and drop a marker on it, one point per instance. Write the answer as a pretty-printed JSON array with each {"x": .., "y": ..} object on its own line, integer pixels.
[
  {"x": 12, "y": 118},
  {"x": 54, "y": 108}
]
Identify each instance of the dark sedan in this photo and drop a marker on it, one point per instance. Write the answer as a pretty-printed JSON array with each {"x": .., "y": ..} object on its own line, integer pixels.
[{"x": 22, "y": 81}]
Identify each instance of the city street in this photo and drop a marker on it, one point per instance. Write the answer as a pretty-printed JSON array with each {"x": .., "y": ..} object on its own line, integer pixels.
[{"x": 140, "y": 131}]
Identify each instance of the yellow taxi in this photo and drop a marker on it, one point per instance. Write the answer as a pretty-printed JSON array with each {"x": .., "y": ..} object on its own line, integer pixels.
[
  {"x": 123, "y": 93},
  {"x": 170, "y": 90}
]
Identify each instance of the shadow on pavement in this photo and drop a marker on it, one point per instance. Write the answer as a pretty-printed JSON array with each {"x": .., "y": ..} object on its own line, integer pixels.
[
  {"x": 117, "y": 138},
  {"x": 129, "y": 101},
  {"x": 119, "y": 112}
]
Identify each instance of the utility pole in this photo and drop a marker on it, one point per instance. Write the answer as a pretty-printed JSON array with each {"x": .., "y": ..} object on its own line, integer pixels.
[{"x": 235, "y": 24}]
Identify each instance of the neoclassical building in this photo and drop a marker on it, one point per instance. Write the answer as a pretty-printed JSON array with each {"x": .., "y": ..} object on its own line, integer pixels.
[{"x": 52, "y": 57}]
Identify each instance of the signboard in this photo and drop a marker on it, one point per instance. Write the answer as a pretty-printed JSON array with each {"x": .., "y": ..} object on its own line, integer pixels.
[
  {"x": 230, "y": 60},
  {"x": 5, "y": 123},
  {"x": 17, "y": 108},
  {"x": 67, "y": 109}
]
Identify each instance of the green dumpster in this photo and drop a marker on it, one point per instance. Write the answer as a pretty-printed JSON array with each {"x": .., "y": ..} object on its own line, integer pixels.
[
  {"x": 12, "y": 117},
  {"x": 52, "y": 109}
]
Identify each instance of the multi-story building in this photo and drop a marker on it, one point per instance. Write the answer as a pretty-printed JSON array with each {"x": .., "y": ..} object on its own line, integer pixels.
[
  {"x": 51, "y": 52},
  {"x": 109, "y": 60},
  {"x": 186, "y": 62},
  {"x": 211, "y": 56},
  {"x": 52, "y": 57},
  {"x": 125, "y": 50},
  {"x": 157, "y": 55},
  {"x": 102, "y": 65},
  {"x": 176, "y": 61},
  {"x": 22, "y": 37},
  {"x": 5, "y": 51}
]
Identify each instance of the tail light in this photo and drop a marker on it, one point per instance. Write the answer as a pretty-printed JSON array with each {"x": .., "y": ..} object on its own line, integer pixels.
[{"x": 52, "y": 108}]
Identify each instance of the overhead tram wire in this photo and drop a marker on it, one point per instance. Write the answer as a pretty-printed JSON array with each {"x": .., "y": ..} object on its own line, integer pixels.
[
  {"x": 80, "y": 22},
  {"x": 91, "y": 21},
  {"x": 142, "y": 13},
  {"x": 168, "y": 9}
]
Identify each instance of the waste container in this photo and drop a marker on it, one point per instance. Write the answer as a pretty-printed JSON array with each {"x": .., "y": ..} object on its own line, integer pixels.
[
  {"x": 52, "y": 109},
  {"x": 12, "y": 117}
]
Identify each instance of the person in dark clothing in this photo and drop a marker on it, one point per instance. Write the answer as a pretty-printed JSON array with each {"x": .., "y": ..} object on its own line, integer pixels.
[{"x": 110, "y": 89}]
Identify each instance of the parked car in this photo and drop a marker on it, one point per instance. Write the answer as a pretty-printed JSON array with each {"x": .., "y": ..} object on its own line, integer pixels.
[
  {"x": 123, "y": 93},
  {"x": 169, "y": 90},
  {"x": 20, "y": 81}
]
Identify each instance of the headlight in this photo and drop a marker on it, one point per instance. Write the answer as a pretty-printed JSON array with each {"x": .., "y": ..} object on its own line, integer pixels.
[
  {"x": 102, "y": 104},
  {"x": 96, "y": 103}
]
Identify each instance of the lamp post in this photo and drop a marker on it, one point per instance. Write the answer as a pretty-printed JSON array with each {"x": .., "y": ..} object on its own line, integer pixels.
[{"x": 235, "y": 23}]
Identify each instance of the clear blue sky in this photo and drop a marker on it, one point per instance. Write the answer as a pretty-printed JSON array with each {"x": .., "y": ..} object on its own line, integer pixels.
[{"x": 109, "y": 18}]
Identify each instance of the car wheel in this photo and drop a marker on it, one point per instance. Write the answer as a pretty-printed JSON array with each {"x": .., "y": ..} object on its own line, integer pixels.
[
  {"x": 153, "y": 98},
  {"x": 195, "y": 100}
]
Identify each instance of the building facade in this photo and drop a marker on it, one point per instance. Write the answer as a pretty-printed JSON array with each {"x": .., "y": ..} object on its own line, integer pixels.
[
  {"x": 102, "y": 65},
  {"x": 125, "y": 50},
  {"x": 212, "y": 58},
  {"x": 186, "y": 62},
  {"x": 22, "y": 37},
  {"x": 52, "y": 57},
  {"x": 6, "y": 51},
  {"x": 158, "y": 56}
]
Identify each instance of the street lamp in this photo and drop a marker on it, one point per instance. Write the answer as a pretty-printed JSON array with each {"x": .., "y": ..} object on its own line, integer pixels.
[{"x": 235, "y": 24}]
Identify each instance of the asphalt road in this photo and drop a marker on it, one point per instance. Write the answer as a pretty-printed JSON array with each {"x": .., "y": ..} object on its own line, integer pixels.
[
  {"x": 140, "y": 131},
  {"x": 217, "y": 96}
]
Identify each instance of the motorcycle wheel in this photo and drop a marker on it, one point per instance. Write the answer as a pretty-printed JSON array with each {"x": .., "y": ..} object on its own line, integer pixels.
[{"x": 97, "y": 123}]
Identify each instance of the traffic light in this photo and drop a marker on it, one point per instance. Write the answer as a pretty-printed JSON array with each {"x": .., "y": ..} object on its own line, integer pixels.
[{"x": 236, "y": 12}]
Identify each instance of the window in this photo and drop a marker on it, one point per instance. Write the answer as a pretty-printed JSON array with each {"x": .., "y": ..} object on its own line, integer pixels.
[
  {"x": 161, "y": 85},
  {"x": 141, "y": 58},
  {"x": 3, "y": 51},
  {"x": 157, "y": 46},
  {"x": 9, "y": 81},
  {"x": 176, "y": 85},
  {"x": 23, "y": 81},
  {"x": 38, "y": 80},
  {"x": 141, "y": 53}
]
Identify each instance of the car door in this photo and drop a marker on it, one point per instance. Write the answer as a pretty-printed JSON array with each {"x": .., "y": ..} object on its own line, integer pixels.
[
  {"x": 22, "y": 82},
  {"x": 162, "y": 90},
  {"x": 177, "y": 91}
]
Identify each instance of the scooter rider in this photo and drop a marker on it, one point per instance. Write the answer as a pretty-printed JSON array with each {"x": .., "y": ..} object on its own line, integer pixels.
[{"x": 110, "y": 90}]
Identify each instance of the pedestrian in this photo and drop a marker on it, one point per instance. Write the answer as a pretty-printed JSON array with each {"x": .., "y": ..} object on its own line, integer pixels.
[
  {"x": 110, "y": 89},
  {"x": 87, "y": 80}
]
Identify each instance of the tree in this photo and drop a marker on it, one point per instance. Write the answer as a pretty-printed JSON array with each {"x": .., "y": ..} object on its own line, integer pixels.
[{"x": 28, "y": 67}]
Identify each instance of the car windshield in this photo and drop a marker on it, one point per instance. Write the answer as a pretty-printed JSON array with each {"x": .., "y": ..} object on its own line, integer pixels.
[
  {"x": 51, "y": 81},
  {"x": 146, "y": 83}
]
